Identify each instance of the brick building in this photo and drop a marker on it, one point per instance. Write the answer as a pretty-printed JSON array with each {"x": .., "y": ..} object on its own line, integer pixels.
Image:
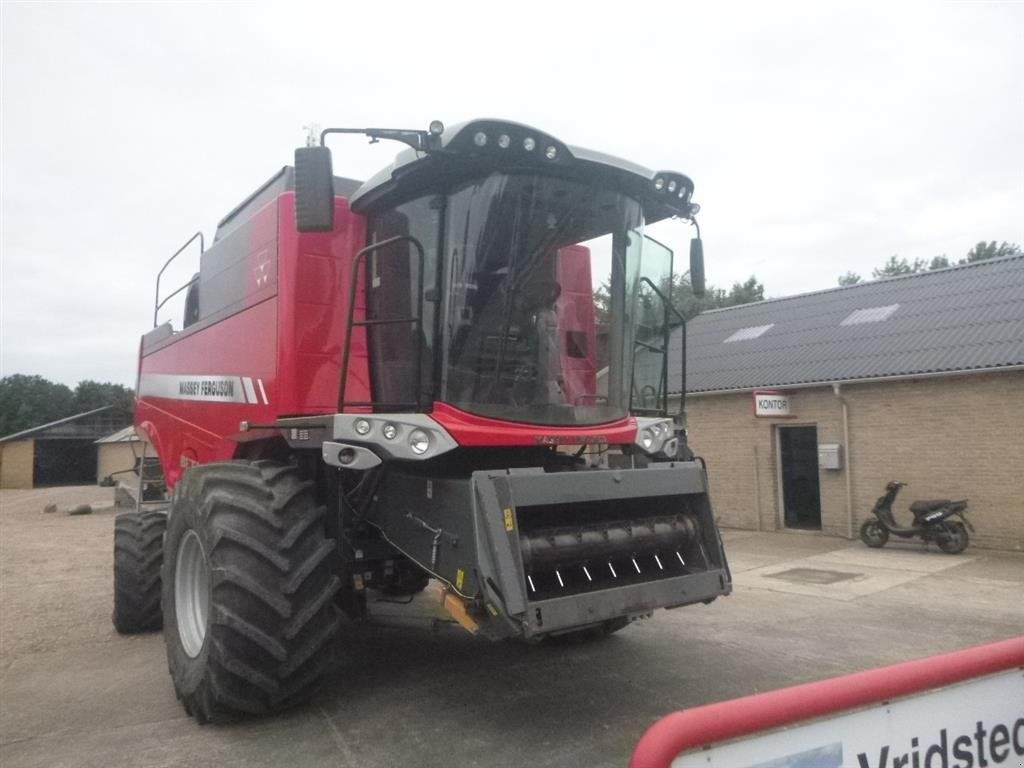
[{"x": 918, "y": 378}]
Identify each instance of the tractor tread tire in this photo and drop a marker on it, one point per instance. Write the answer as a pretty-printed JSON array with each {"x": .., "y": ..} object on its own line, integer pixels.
[
  {"x": 272, "y": 616},
  {"x": 138, "y": 558}
]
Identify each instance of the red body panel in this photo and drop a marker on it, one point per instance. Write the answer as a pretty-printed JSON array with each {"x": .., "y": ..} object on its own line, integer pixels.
[
  {"x": 576, "y": 324},
  {"x": 283, "y": 347},
  {"x": 279, "y": 354},
  {"x": 470, "y": 429}
]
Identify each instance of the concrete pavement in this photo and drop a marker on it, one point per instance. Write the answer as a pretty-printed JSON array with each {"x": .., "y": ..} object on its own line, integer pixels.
[{"x": 74, "y": 693}]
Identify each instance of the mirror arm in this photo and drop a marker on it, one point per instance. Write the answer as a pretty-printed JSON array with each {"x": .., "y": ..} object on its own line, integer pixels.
[{"x": 421, "y": 141}]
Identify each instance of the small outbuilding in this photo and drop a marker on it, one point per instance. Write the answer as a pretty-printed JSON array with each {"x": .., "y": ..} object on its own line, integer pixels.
[
  {"x": 805, "y": 407},
  {"x": 63, "y": 452},
  {"x": 117, "y": 454}
]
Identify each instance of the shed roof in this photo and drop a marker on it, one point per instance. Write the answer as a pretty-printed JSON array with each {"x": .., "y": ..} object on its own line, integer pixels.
[
  {"x": 964, "y": 318},
  {"x": 87, "y": 425},
  {"x": 126, "y": 435}
]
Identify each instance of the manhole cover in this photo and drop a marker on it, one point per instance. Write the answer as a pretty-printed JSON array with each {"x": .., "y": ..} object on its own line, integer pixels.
[{"x": 812, "y": 576}]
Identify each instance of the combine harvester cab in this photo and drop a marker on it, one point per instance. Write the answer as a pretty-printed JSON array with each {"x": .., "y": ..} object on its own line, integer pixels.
[{"x": 457, "y": 370}]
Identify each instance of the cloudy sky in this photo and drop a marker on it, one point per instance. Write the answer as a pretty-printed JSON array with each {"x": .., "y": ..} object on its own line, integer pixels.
[{"x": 821, "y": 138}]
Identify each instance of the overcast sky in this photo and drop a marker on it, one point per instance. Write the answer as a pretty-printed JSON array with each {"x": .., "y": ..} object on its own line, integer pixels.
[{"x": 821, "y": 139}]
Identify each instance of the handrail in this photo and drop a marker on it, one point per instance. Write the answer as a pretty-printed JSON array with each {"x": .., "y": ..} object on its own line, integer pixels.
[
  {"x": 418, "y": 320},
  {"x": 156, "y": 300}
]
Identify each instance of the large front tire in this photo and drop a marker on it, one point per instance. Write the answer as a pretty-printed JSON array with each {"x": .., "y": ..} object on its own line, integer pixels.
[
  {"x": 138, "y": 556},
  {"x": 248, "y": 590},
  {"x": 874, "y": 534}
]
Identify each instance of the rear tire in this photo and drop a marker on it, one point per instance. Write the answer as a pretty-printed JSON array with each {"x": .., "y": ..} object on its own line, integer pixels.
[
  {"x": 874, "y": 534},
  {"x": 953, "y": 539},
  {"x": 249, "y": 613},
  {"x": 138, "y": 557}
]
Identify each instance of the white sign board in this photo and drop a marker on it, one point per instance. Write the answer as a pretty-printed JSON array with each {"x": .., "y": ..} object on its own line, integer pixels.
[
  {"x": 968, "y": 725},
  {"x": 771, "y": 404}
]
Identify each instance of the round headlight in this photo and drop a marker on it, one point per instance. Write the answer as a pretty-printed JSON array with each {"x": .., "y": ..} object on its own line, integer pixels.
[
  {"x": 419, "y": 441},
  {"x": 436, "y": 127},
  {"x": 504, "y": 141},
  {"x": 659, "y": 183},
  {"x": 551, "y": 152},
  {"x": 390, "y": 431},
  {"x": 480, "y": 138},
  {"x": 361, "y": 426},
  {"x": 646, "y": 439},
  {"x": 529, "y": 144}
]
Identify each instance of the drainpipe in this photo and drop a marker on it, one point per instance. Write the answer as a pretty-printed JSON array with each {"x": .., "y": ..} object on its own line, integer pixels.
[{"x": 846, "y": 467}]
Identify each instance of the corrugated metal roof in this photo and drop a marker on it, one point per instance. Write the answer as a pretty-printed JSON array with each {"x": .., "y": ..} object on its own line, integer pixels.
[
  {"x": 53, "y": 426},
  {"x": 961, "y": 318},
  {"x": 126, "y": 435}
]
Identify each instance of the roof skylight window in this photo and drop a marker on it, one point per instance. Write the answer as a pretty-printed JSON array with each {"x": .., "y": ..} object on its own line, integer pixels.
[
  {"x": 752, "y": 332},
  {"x": 870, "y": 315}
]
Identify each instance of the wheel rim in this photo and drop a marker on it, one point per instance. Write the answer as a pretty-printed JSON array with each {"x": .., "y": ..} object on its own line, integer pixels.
[
  {"x": 191, "y": 593},
  {"x": 874, "y": 533}
]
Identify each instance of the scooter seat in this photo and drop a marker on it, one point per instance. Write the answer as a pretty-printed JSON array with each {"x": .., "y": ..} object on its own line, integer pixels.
[{"x": 927, "y": 506}]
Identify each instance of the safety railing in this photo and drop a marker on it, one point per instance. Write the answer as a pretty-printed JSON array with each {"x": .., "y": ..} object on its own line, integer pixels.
[{"x": 157, "y": 304}]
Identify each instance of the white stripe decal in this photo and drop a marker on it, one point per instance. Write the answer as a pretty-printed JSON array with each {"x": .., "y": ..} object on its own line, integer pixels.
[
  {"x": 263, "y": 392},
  {"x": 250, "y": 390}
]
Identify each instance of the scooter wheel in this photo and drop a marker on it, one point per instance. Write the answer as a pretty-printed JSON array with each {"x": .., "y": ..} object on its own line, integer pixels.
[
  {"x": 873, "y": 534},
  {"x": 953, "y": 539}
]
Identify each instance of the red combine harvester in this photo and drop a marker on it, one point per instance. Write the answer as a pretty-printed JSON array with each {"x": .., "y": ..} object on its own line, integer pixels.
[{"x": 377, "y": 384}]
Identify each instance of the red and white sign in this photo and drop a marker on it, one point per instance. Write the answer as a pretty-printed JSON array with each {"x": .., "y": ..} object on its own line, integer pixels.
[
  {"x": 771, "y": 404},
  {"x": 958, "y": 710}
]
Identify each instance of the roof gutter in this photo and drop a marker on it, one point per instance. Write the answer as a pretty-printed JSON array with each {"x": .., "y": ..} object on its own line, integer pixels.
[{"x": 865, "y": 380}]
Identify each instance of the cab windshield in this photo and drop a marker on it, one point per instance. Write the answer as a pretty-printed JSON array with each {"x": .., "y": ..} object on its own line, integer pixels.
[{"x": 531, "y": 289}]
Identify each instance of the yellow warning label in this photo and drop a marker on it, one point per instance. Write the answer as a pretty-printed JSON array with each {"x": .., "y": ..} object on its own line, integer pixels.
[
  {"x": 510, "y": 523},
  {"x": 460, "y": 577}
]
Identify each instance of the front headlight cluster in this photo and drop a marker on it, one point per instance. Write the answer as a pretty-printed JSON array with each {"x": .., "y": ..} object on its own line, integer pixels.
[
  {"x": 401, "y": 436},
  {"x": 655, "y": 436}
]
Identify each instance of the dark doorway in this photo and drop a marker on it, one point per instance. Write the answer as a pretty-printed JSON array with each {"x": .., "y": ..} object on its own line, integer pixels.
[
  {"x": 801, "y": 497},
  {"x": 64, "y": 462}
]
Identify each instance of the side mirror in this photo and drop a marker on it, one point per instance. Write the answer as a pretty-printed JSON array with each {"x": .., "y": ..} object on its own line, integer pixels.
[
  {"x": 697, "y": 266},
  {"x": 314, "y": 190}
]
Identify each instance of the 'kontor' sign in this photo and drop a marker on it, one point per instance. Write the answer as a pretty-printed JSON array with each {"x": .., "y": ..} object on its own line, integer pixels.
[{"x": 771, "y": 404}]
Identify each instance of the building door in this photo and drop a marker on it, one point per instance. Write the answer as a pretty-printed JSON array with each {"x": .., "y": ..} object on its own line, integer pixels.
[
  {"x": 64, "y": 462},
  {"x": 801, "y": 497}
]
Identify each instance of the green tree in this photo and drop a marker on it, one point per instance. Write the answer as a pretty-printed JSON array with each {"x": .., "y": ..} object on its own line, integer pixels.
[
  {"x": 896, "y": 266},
  {"x": 984, "y": 251},
  {"x": 28, "y": 401},
  {"x": 90, "y": 395},
  {"x": 850, "y": 278},
  {"x": 744, "y": 293},
  {"x": 938, "y": 262}
]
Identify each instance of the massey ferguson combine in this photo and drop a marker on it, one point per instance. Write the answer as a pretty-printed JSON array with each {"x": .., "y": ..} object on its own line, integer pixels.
[{"x": 455, "y": 371}]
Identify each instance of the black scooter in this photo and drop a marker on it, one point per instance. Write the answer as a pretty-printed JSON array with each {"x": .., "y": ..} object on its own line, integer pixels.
[{"x": 931, "y": 522}]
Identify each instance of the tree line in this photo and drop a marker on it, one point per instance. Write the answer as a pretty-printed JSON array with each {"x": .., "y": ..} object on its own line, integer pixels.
[
  {"x": 897, "y": 266},
  {"x": 29, "y": 401}
]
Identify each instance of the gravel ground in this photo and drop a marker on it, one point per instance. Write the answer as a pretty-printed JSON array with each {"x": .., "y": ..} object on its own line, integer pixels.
[{"x": 74, "y": 693}]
